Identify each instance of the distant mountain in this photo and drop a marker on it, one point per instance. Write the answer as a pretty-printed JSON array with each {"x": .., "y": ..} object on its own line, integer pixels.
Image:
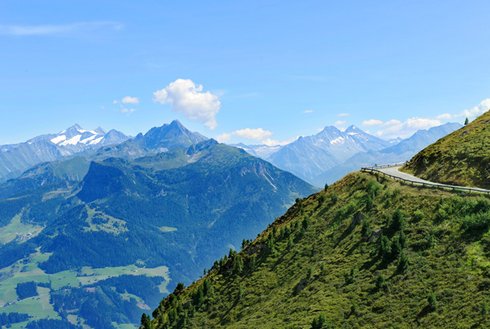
[
  {"x": 16, "y": 158},
  {"x": 156, "y": 140},
  {"x": 461, "y": 158},
  {"x": 104, "y": 236},
  {"x": 309, "y": 156},
  {"x": 399, "y": 152},
  {"x": 260, "y": 151}
]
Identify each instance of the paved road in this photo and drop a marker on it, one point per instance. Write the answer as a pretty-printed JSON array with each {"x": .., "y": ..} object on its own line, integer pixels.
[{"x": 393, "y": 171}]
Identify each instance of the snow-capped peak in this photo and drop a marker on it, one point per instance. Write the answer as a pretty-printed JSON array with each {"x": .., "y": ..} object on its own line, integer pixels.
[{"x": 77, "y": 136}]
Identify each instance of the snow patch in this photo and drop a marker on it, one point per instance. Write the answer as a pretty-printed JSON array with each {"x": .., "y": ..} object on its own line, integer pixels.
[
  {"x": 58, "y": 139},
  {"x": 72, "y": 141},
  {"x": 338, "y": 140}
]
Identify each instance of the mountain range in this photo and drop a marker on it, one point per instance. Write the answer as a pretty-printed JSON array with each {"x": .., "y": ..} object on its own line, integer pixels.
[
  {"x": 98, "y": 227},
  {"x": 365, "y": 252},
  {"x": 16, "y": 158},
  {"x": 96, "y": 238},
  {"x": 331, "y": 154}
]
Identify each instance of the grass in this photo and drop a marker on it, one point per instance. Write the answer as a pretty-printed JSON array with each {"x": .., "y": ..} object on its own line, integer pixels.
[
  {"x": 18, "y": 230},
  {"x": 461, "y": 158},
  {"x": 99, "y": 222},
  {"x": 325, "y": 259},
  {"x": 39, "y": 307}
]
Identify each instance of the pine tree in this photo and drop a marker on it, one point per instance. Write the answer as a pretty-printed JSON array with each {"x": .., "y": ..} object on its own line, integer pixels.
[
  {"x": 146, "y": 321},
  {"x": 403, "y": 263},
  {"x": 432, "y": 300},
  {"x": 381, "y": 283},
  {"x": 466, "y": 121},
  {"x": 237, "y": 264},
  {"x": 319, "y": 323}
]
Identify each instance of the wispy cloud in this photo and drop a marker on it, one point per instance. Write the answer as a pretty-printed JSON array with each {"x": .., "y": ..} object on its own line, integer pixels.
[
  {"x": 340, "y": 124},
  {"x": 260, "y": 135},
  {"x": 59, "y": 29},
  {"x": 470, "y": 113},
  {"x": 127, "y": 110}
]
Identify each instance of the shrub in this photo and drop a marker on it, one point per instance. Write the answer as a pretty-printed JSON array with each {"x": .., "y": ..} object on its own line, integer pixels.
[{"x": 476, "y": 223}]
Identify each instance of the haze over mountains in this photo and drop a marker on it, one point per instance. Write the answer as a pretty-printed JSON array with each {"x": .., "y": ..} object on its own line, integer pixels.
[
  {"x": 99, "y": 236},
  {"x": 332, "y": 153}
]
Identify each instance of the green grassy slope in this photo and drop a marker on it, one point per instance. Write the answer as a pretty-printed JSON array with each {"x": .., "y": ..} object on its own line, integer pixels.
[
  {"x": 367, "y": 252},
  {"x": 461, "y": 158}
]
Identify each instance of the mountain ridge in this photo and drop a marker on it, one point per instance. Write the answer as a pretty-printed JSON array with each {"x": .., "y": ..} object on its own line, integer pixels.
[{"x": 16, "y": 158}]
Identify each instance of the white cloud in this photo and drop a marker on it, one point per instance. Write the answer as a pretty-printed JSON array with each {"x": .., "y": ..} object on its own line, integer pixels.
[
  {"x": 445, "y": 116},
  {"x": 130, "y": 100},
  {"x": 396, "y": 128},
  {"x": 372, "y": 122},
  {"x": 259, "y": 135},
  {"x": 273, "y": 142},
  {"x": 253, "y": 133},
  {"x": 478, "y": 110},
  {"x": 308, "y": 111},
  {"x": 127, "y": 110},
  {"x": 223, "y": 138},
  {"x": 470, "y": 113},
  {"x": 189, "y": 99},
  {"x": 60, "y": 29},
  {"x": 343, "y": 115},
  {"x": 340, "y": 124}
]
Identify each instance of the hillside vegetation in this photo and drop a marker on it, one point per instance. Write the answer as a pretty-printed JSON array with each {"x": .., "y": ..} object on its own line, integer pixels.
[
  {"x": 366, "y": 252},
  {"x": 101, "y": 250},
  {"x": 461, "y": 158}
]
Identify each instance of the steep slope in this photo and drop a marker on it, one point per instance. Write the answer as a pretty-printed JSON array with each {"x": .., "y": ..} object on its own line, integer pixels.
[
  {"x": 104, "y": 248},
  {"x": 400, "y": 152},
  {"x": 16, "y": 158},
  {"x": 365, "y": 253},
  {"x": 462, "y": 158},
  {"x": 307, "y": 157}
]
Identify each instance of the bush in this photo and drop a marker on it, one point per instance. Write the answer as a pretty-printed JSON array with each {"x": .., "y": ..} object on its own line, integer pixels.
[{"x": 476, "y": 223}]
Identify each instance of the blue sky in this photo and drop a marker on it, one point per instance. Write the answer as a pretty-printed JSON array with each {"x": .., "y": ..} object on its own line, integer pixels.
[{"x": 287, "y": 67}]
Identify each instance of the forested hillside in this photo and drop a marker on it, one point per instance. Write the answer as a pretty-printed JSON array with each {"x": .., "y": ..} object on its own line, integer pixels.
[{"x": 366, "y": 252}]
